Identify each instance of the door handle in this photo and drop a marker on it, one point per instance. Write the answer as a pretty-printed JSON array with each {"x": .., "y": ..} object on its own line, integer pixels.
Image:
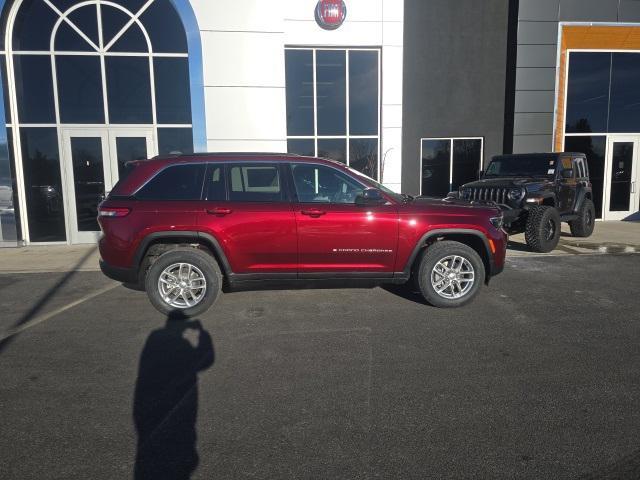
[
  {"x": 313, "y": 212},
  {"x": 219, "y": 211}
]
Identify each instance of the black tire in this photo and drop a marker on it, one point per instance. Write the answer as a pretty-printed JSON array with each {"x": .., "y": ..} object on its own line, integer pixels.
[
  {"x": 542, "y": 232},
  {"x": 432, "y": 256},
  {"x": 583, "y": 225},
  {"x": 199, "y": 259}
]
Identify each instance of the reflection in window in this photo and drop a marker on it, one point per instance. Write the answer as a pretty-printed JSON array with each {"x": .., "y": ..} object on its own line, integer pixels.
[
  {"x": 299, "y": 81},
  {"x": 436, "y": 159},
  {"x": 173, "y": 104},
  {"x": 445, "y": 169},
  {"x": 88, "y": 180},
  {"x": 127, "y": 150},
  {"x": 588, "y": 92},
  {"x": 334, "y": 137},
  {"x": 79, "y": 89},
  {"x": 621, "y": 168},
  {"x": 128, "y": 89},
  {"x": 34, "y": 88},
  {"x": 175, "y": 141},
  {"x": 363, "y": 156},
  {"x": 594, "y": 149},
  {"x": 333, "y": 148},
  {"x": 624, "y": 109},
  {"x": 331, "y": 91},
  {"x": 466, "y": 161},
  {"x": 363, "y": 92},
  {"x": 301, "y": 146},
  {"x": 43, "y": 187}
]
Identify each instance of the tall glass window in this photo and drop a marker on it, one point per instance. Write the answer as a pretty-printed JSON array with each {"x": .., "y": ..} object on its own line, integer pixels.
[
  {"x": 74, "y": 63},
  {"x": 333, "y": 105},
  {"x": 448, "y": 163},
  {"x": 602, "y": 93}
]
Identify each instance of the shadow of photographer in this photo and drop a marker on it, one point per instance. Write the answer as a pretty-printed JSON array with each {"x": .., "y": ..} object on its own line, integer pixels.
[{"x": 165, "y": 405}]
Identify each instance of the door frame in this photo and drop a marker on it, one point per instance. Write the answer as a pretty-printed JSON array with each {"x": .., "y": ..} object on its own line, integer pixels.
[
  {"x": 108, "y": 135},
  {"x": 635, "y": 174}
]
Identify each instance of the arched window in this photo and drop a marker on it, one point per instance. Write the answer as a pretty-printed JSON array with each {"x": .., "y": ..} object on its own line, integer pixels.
[{"x": 115, "y": 68}]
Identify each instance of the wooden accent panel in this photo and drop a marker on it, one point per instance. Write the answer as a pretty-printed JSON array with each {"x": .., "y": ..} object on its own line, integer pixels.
[{"x": 588, "y": 37}]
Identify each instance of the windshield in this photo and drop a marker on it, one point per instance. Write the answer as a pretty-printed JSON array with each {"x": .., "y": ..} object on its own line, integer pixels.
[
  {"x": 379, "y": 186},
  {"x": 521, "y": 166}
]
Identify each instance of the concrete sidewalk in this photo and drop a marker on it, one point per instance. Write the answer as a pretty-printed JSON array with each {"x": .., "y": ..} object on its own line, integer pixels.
[{"x": 609, "y": 237}]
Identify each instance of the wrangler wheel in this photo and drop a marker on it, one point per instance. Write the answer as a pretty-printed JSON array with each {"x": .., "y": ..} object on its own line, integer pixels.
[
  {"x": 583, "y": 225},
  {"x": 542, "y": 232}
]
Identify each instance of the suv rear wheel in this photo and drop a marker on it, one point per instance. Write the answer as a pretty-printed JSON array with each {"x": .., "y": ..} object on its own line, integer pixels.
[
  {"x": 450, "y": 274},
  {"x": 542, "y": 232},
  {"x": 185, "y": 280},
  {"x": 584, "y": 224}
]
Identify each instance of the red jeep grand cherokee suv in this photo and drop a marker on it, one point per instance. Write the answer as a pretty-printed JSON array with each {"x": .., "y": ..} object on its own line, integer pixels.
[{"x": 183, "y": 225}]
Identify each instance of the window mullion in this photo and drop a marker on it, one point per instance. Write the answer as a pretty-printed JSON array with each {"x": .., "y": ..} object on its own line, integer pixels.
[
  {"x": 315, "y": 105},
  {"x": 346, "y": 87}
]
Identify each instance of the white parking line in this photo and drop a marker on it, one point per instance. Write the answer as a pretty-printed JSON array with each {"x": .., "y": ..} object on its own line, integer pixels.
[{"x": 43, "y": 318}]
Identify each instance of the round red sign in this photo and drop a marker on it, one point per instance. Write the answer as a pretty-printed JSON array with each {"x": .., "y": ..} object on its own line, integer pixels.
[{"x": 330, "y": 14}]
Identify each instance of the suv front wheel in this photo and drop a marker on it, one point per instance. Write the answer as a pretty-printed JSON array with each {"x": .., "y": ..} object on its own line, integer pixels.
[
  {"x": 450, "y": 274},
  {"x": 185, "y": 280}
]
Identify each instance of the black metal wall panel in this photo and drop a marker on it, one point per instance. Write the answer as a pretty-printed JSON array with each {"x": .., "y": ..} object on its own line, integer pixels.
[{"x": 455, "y": 76}]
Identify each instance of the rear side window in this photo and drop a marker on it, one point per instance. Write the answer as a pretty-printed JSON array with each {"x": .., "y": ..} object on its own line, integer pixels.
[
  {"x": 255, "y": 183},
  {"x": 178, "y": 182}
]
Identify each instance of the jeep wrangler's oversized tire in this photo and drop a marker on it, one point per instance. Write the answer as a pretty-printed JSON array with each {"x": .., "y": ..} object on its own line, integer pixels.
[
  {"x": 542, "y": 232},
  {"x": 183, "y": 280},
  {"x": 584, "y": 224},
  {"x": 450, "y": 274}
]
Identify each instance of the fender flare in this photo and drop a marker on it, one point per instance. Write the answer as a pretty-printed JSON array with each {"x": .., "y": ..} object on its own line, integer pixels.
[
  {"x": 449, "y": 231},
  {"x": 198, "y": 237}
]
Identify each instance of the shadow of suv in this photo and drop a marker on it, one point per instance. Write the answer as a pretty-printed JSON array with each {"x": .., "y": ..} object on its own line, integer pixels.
[{"x": 184, "y": 225}]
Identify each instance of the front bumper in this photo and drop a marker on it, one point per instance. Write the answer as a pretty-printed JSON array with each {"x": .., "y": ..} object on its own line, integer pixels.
[{"x": 124, "y": 275}]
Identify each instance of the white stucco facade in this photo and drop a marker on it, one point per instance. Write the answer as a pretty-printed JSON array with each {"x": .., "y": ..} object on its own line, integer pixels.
[{"x": 243, "y": 47}]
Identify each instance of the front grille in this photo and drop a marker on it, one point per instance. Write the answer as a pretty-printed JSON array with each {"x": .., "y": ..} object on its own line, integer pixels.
[{"x": 489, "y": 194}]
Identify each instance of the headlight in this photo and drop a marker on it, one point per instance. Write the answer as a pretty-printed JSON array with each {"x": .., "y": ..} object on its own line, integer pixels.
[
  {"x": 497, "y": 222},
  {"x": 515, "y": 194}
]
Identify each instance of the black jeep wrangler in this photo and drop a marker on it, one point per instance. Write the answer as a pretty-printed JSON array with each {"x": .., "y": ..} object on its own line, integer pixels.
[{"x": 536, "y": 192}]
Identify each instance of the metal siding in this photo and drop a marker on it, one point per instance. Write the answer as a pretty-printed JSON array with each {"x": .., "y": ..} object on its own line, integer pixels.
[
  {"x": 454, "y": 76},
  {"x": 532, "y": 143},
  {"x": 589, "y": 10},
  {"x": 629, "y": 11},
  {"x": 539, "y": 10},
  {"x": 537, "y": 33},
  {"x": 536, "y": 56},
  {"x": 534, "y": 101}
]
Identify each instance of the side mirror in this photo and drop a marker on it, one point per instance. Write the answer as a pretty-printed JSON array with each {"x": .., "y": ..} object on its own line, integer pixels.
[
  {"x": 567, "y": 173},
  {"x": 370, "y": 196}
]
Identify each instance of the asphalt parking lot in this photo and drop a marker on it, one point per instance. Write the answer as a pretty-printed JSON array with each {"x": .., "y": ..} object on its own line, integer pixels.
[{"x": 539, "y": 378}]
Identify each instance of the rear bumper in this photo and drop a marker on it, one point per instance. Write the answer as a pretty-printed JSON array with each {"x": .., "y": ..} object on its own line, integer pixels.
[{"x": 124, "y": 275}]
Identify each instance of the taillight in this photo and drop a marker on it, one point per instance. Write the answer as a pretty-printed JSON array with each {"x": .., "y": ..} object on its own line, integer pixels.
[{"x": 113, "y": 212}]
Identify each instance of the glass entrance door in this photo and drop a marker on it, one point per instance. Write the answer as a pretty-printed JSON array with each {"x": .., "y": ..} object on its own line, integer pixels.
[
  {"x": 621, "y": 178},
  {"x": 94, "y": 160}
]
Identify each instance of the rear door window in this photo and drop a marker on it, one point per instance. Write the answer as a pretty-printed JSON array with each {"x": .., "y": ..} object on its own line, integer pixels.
[
  {"x": 177, "y": 182},
  {"x": 255, "y": 183}
]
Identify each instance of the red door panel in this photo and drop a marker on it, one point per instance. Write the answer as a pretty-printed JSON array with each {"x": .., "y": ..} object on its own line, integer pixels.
[
  {"x": 256, "y": 237},
  {"x": 346, "y": 238}
]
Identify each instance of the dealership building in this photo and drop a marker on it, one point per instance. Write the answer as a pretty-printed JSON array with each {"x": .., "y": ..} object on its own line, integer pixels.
[{"x": 418, "y": 94}]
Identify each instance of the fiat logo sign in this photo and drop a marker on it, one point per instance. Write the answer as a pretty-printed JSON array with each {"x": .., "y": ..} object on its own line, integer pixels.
[{"x": 330, "y": 14}]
